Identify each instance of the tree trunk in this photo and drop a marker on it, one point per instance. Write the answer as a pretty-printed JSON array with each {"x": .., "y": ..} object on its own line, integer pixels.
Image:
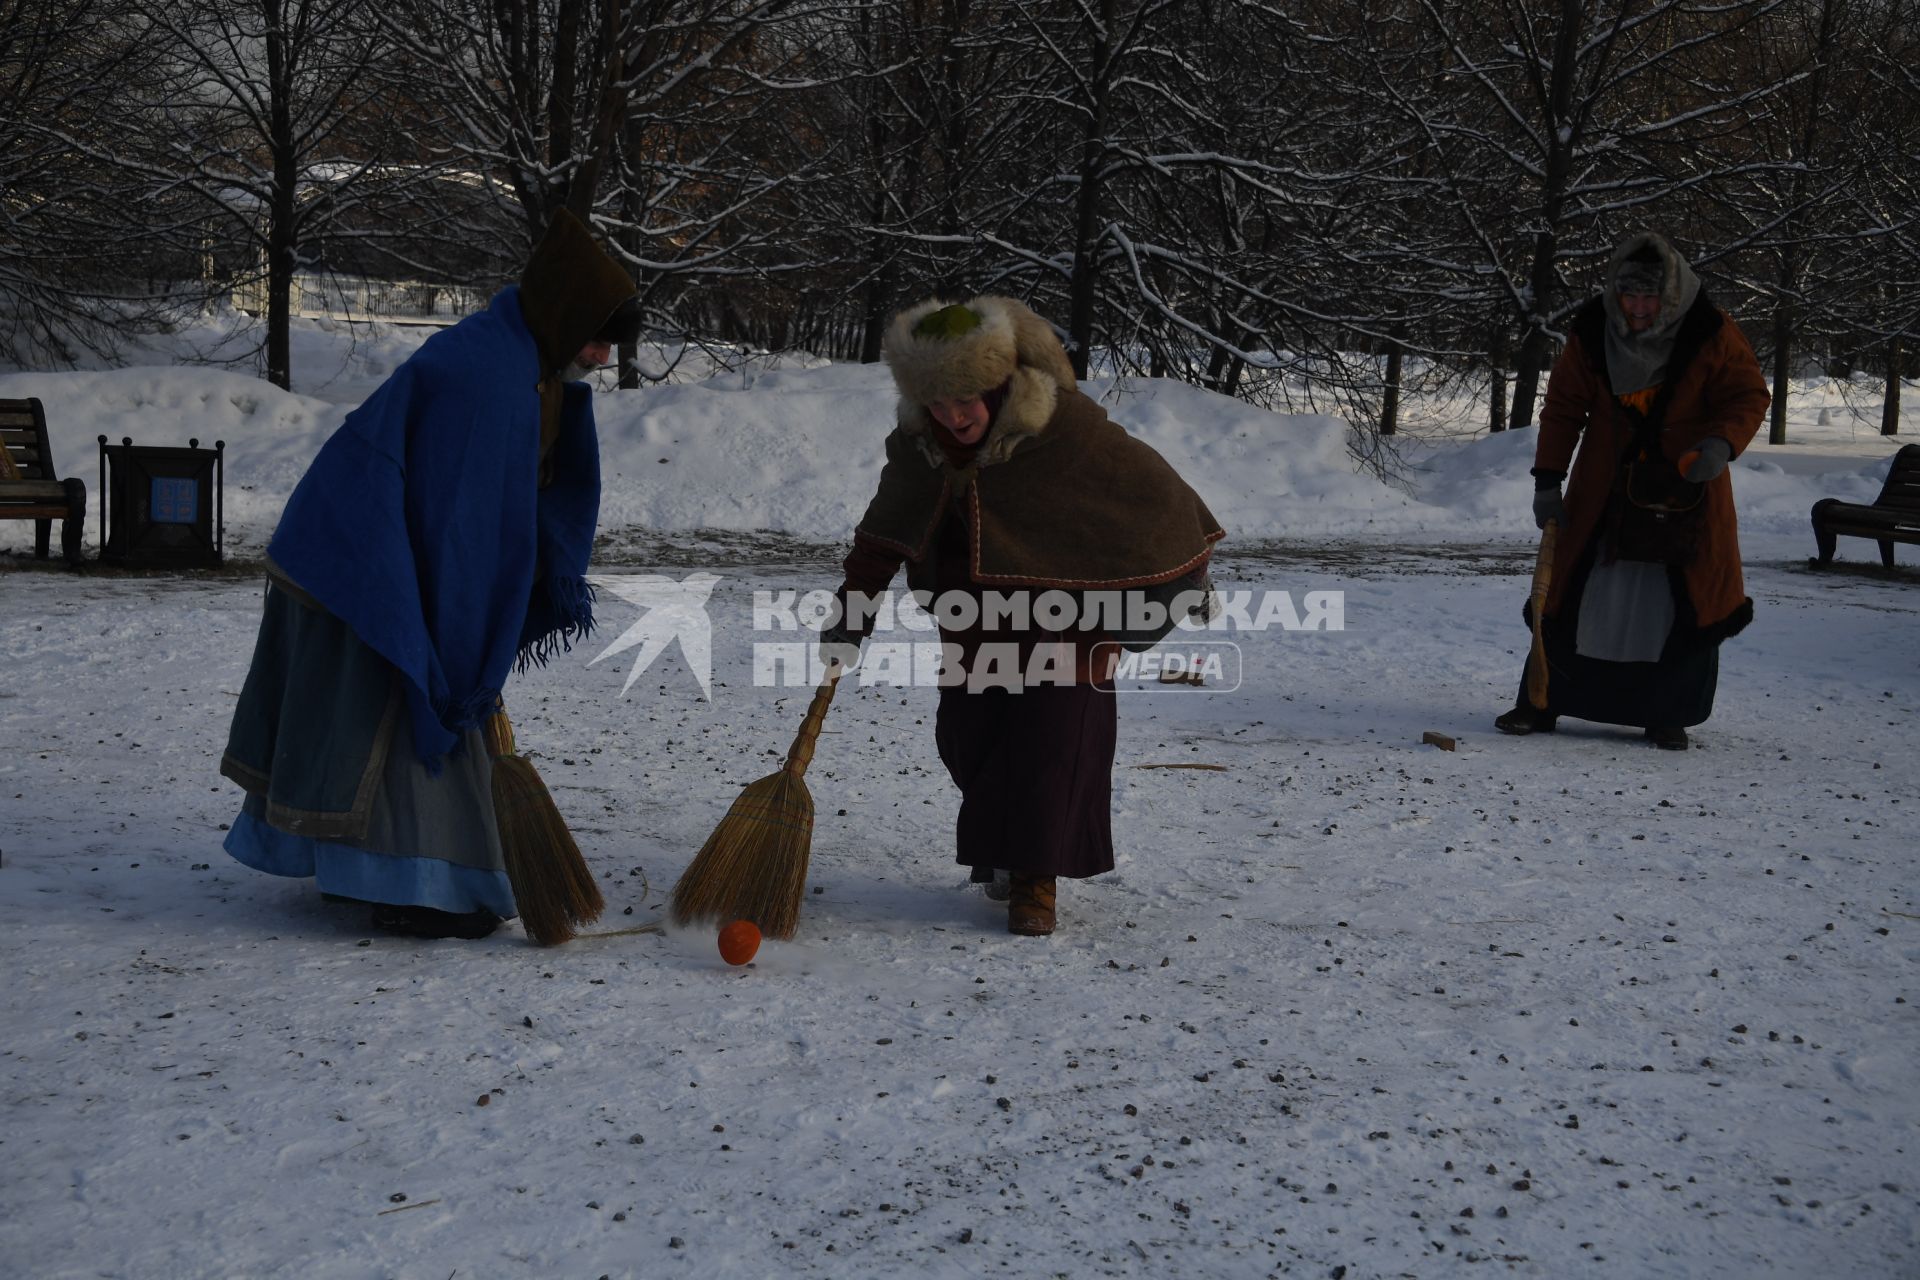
[
  {"x": 1093, "y": 154},
  {"x": 1390, "y": 402},
  {"x": 1782, "y": 362},
  {"x": 1224, "y": 369},
  {"x": 873, "y": 324},
  {"x": 876, "y": 296},
  {"x": 609, "y": 115},
  {"x": 1790, "y": 262},
  {"x": 566, "y": 40},
  {"x": 1497, "y": 383},
  {"x": 1890, "y": 407},
  {"x": 282, "y": 203},
  {"x": 1236, "y": 369},
  {"x": 1526, "y": 378},
  {"x": 1562, "y": 136},
  {"x": 1216, "y": 366}
]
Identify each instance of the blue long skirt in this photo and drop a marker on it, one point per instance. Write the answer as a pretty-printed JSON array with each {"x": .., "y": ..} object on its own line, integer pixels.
[{"x": 335, "y": 789}]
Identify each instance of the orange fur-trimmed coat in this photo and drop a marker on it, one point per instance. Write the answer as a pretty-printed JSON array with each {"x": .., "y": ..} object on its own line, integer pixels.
[{"x": 1718, "y": 391}]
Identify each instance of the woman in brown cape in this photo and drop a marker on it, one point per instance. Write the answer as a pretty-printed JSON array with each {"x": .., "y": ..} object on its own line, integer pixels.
[
  {"x": 1660, "y": 390},
  {"x": 1001, "y": 476}
]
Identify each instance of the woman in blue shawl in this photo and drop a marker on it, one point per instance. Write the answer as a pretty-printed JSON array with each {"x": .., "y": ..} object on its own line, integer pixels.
[{"x": 440, "y": 535}]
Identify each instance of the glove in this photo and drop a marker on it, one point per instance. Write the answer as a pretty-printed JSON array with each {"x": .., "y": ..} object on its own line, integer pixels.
[
  {"x": 1547, "y": 505},
  {"x": 1706, "y": 462},
  {"x": 837, "y": 644}
]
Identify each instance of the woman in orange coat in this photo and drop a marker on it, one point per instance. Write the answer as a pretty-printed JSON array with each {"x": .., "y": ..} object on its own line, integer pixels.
[{"x": 1659, "y": 390}]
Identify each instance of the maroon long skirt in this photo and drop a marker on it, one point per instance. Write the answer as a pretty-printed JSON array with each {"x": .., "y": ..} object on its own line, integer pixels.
[{"x": 1035, "y": 772}]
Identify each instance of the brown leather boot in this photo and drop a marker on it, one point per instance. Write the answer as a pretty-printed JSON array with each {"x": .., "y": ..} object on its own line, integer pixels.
[{"x": 1030, "y": 909}]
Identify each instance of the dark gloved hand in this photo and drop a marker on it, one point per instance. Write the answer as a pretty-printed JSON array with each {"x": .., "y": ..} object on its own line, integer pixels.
[
  {"x": 1547, "y": 505},
  {"x": 1708, "y": 461},
  {"x": 1209, "y": 606},
  {"x": 837, "y": 644}
]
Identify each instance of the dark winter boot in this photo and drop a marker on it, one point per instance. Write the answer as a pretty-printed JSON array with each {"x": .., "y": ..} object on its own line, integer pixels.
[
  {"x": 1523, "y": 720},
  {"x": 1030, "y": 908},
  {"x": 425, "y": 922},
  {"x": 1674, "y": 739}
]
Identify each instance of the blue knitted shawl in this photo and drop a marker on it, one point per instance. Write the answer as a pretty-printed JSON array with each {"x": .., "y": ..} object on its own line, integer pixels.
[{"x": 421, "y": 525}]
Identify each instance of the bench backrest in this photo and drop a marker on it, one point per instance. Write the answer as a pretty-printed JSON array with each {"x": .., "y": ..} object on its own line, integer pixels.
[
  {"x": 1902, "y": 490},
  {"x": 23, "y": 432}
]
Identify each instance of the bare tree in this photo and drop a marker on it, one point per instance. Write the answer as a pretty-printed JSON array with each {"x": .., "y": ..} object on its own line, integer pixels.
[
  {"x": 1878, "y": 292},
  {"x": 1390, "y": 194},
  {"x": 1799, "y": 125},
  {"x": 1549, "y": 132},
  {"x": 1177, "y": 195},
  {"x": 82, "y": 260},
  {"x": 913, "y": 120},
  {"x": 270, "y": 119},
  {"x": 538, "y": 94},
  {"x": 655, "y": 119}
]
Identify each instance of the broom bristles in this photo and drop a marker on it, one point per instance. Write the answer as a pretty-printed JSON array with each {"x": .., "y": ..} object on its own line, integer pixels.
[
  {"x": 754, "y": 865},
  {"x": 552, "y": 885}
]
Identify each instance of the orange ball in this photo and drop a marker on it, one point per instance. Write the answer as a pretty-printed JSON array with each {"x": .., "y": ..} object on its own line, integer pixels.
[{"x": 739, "y": 941}]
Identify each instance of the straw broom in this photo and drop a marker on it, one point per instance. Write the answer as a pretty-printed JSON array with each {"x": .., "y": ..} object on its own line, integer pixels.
[
  {"x": 754, "y": 865},
  {"x": 1542, "y": 579},
  {"x": 552, "y": 884}
]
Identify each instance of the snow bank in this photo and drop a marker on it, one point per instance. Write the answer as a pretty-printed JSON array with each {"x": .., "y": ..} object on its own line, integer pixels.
[{"x": 792, "y": 445}]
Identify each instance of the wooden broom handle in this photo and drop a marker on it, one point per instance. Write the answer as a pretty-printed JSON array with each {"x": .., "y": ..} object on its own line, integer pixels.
[
  {"x": 1542, "y": 580},
  {"x": 802, "y": 753},
  {"x": 498, "y": 732}
]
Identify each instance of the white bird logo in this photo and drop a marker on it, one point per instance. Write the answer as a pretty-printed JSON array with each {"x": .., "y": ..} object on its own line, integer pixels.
[{"x": 669, "y": 611}]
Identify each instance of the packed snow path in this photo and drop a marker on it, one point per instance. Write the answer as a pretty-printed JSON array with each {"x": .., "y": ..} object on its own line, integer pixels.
[{"x": 1546, "y": 1007}]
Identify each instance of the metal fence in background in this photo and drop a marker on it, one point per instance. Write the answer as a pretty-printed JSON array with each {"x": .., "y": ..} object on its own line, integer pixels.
[{"x": 342, "y": 297}]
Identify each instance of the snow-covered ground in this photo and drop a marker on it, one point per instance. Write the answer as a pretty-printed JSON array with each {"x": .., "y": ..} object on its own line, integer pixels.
[{"x": 1350, "y": 1006}]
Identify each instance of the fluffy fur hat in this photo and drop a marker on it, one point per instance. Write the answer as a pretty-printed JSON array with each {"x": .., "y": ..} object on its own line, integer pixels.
[{"x": 949, "y": 351}]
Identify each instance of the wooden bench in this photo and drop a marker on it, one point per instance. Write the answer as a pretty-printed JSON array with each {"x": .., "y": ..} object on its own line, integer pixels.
[
  {"x": 1892, "y": 517},
  {"x": 29, "y": 489}
]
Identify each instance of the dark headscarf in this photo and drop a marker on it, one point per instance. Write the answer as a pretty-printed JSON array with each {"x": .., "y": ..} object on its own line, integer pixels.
[{"x": 569, "y": 290}]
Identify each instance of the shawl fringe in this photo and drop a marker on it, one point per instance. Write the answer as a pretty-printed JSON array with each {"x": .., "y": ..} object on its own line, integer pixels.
[{"x": 560, "y": 613}]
